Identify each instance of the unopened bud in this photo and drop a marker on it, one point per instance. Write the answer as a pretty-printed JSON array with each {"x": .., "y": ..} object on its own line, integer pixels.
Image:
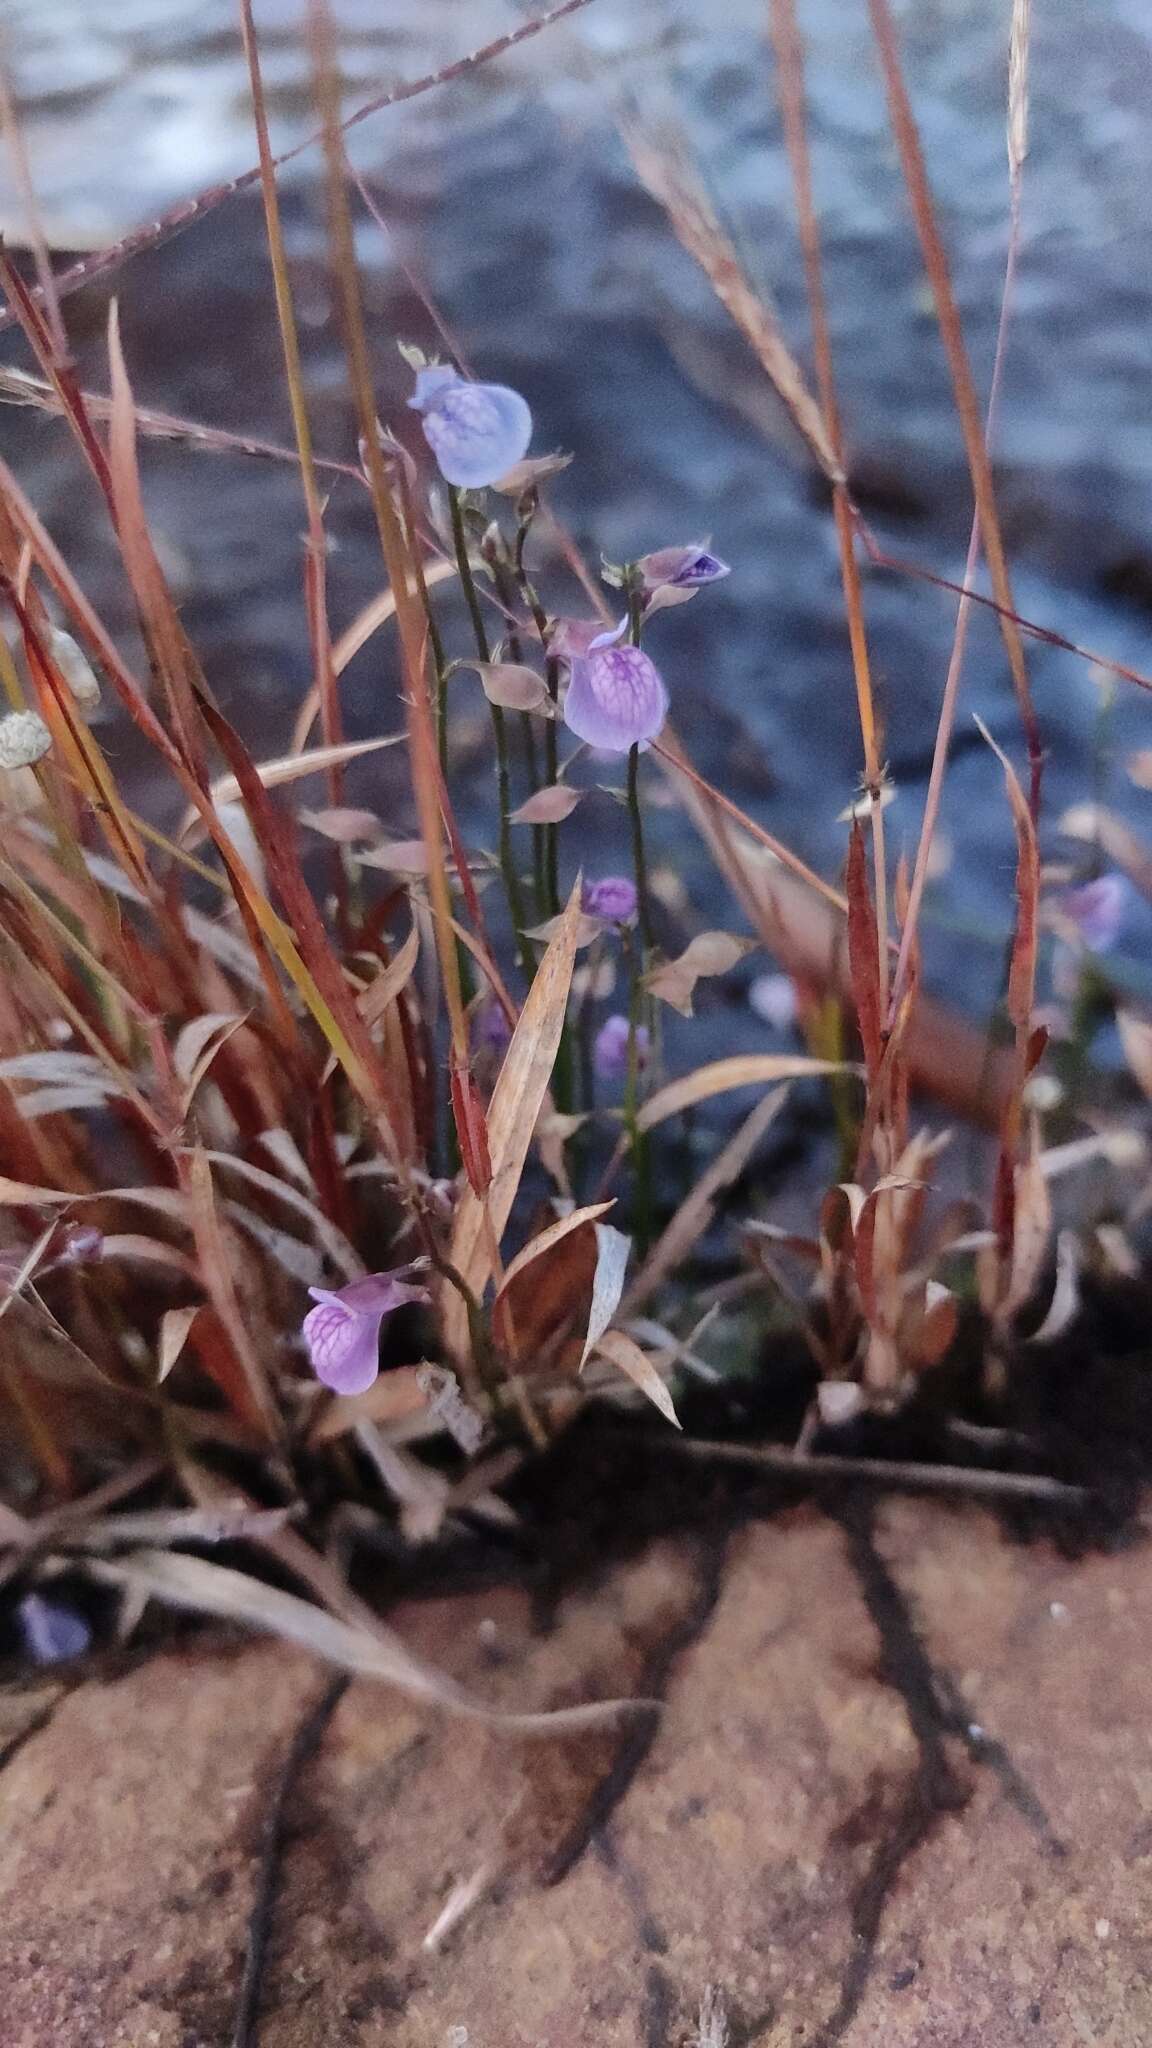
[{"x": 24, "y": 738}]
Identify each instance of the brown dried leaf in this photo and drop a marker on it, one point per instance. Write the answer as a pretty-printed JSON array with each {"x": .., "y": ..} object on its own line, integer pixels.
[
  {"x": 549, "y": 806},
  {"x": 708, "y": 953},
  {"x": 380, "y": 994},
  {"x": 342, "y": 824},
  {"x": 863, "y": 953},
  {"x": 175, "y": 1325},
  {"x": 546, "y": 1239},
  {"x": 198, "y": 1585},
  {"x": 743, "y": 1070},
  {"x": 513, "y": 687},
  {"x": 517, "y": 1100},
  {"x": 613, "y": 1250},
  {"x": 624, "y": 1352}
]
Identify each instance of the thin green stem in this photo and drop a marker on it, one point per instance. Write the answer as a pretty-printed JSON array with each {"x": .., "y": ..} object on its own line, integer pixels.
[
  {"x": 500, "y": 734},
  {"x": 638, "y": 1140}
]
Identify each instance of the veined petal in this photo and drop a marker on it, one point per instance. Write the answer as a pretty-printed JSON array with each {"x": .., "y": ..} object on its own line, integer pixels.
[
  {"x": 616, "y": 699},
  {"x": 477, "y": 432},
  {"x": 343, "y": 1346}
]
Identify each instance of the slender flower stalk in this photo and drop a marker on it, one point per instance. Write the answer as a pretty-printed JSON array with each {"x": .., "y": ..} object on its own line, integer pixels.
[
  {"x": 506, "y": 592},
  {"x": 500, "y": 735},
  {"x": 552, "y": 681}
]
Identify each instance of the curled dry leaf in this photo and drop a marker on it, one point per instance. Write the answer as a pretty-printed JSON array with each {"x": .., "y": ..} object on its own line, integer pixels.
[
  {"x": 286, "y": 768},
  {"x": 342, "y": 824},
  {"x": 517, "y": 1099},
  {"x": 745, "y": 1070},
  {"x": 197, "y": 1046},
  {"x": 175, "y": 1325},
  {"x": 198, "y": 1585},
  {"x": 708, "y": 953},
  {"x": 545, "y": 1240},
  {"x": 613, "y": 1250},
  {"x": 534, "y": 470},
  {"x": 514, "y": 687},
  {"x": 624, "y": 1352},
  {"x": 549, "y": 806}
]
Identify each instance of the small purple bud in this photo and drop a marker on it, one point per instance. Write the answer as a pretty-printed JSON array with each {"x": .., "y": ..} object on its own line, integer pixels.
[
  {"x": 80, "y": 1242},
  {"x": 613, "y": 898},
  {"x": 616, "y": 699},
  {"x": 1097, "y": 911},
  {"x": 610, "y": 1053},
  {"x": 343, "y": 1332},
  {"x": 477, "y": 432},
  {"x": 51, "y": 1633},
  {"x": 491, "y": 1031},
  {"x": 686, "y": 568}
]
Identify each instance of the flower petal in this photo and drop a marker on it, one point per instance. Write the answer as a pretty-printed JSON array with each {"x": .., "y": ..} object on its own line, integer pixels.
[
  {"x": 477, "y": 432},
  {"x": 616, "y": 699},
  {"x": 343, "y": 1346}
]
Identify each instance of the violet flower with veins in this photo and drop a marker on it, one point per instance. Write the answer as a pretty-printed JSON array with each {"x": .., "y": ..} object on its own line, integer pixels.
[
  {"x": 343, "y": 1331},
  {"x": 683, "y": 568},
  {"x": 477, "y": 432},
  {"x": 616, "y": 696}
]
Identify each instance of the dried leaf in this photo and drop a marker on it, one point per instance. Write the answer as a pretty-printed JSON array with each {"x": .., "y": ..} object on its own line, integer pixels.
[
  {"x": 380, "y": 994},
  {"x": 517, "y": 1100},
  {"x": 285, "y": 768},
  {"x": 513, "y": 687},
  {"x": 624, "y": 1352},
  {"x": 175, "y": 1325},
  {"x": 549, "y": 806},
  {"x": 197, "y": 1046},
  {"x": 546, "y": 1239},
  {"x": 333, "y": 1241},
  {"x": 341, "y": 824},
  {"x": 198, "y": 1585},
  {"x": 613, "y": 1250},
  {"x": 1136, "y": 1039},
  {"x": 1033, "y": 1229},
  {"x": 708, "y": 953},
  {"x": 863, "y": 953},
  {"x": 744, "y": 1070}
]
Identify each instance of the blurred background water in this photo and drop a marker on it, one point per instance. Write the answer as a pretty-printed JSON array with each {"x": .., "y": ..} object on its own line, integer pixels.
[{"x": 511, "y": 193}]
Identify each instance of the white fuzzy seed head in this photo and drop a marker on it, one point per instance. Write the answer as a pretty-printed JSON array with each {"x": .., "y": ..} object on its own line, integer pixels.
[{"x": 24, "y": 738}]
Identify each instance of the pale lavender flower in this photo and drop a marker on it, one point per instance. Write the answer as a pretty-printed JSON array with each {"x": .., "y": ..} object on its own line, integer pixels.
[
  {"x": 616, "y": 697},
  {"x": 610, "y": 1053},
  {"x": 477, "y": 432},
  {"x": 1096, "y": 909},
  {"x": 343, "y": 1332},
  {"x": 51, "y": 1633},
  {"x": 613, "y": 898},
  {"x": 684, "y": 568},
  {"x": 773, "y": 999}
]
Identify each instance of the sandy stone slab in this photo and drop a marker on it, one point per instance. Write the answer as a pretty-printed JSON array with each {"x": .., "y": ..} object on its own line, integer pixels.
[{"x": 900, "y": 1793}]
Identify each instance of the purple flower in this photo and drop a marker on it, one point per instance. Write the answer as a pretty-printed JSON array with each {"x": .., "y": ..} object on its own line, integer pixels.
[
  {"x": 491, "y": 1031},
  {"x": 616, "y": 697},
  {"x": 572, "y": 638},
  {"x": 343, "y": 1332},
  {"x": 685, "y": 568},
  {"x": 1096, "y": 909},
  {"x": 610, "y": 1054},
  {"x": 51, "y": 1633},
  {"x": 477, "y": 432},
  {"x": 613, "y": 898},
  {"x": 773, "y": 999}
]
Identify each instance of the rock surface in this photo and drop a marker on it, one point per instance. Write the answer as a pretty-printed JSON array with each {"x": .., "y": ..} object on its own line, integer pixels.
[{"x": 901, "y": 1792}]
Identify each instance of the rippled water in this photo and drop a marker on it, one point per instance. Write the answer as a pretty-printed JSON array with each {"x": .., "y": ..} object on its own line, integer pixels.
[{"x": 511, "y": 191}]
